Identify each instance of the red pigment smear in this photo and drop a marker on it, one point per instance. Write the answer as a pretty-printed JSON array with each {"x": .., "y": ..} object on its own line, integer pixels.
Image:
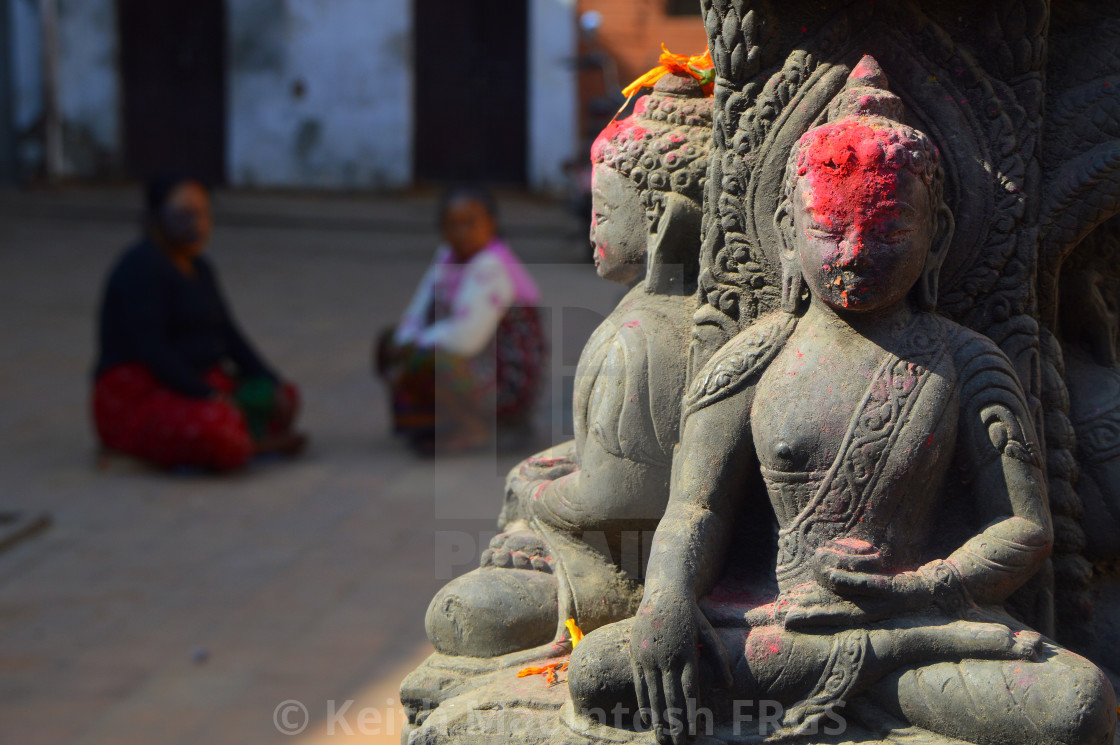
[
  {"x": 632, "y": 324},
  {"x": 764, "y": 642},
  {"x": 855, "y": 545},
  {"x": 619, "y": 133},
  {"x": 851, "y": 187},
  {"x": 546, "y": 462},
  {"x": 866, "y": 69},
  {"x": 845, "y": 165}
]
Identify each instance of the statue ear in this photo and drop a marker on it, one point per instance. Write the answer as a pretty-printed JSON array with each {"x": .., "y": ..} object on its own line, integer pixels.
[
  {"x": 793, "y": 282},
  {"x": 673, "y": 254},
  {"x": 942, "y": 239}
]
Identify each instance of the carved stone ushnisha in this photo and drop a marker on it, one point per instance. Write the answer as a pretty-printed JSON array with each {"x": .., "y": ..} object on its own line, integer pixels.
[
  {"x": 575, "y": 514},
  {"x": 884, "y": 489}
]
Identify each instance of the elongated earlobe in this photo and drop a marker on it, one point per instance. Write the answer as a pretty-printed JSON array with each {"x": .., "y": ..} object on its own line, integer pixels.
[
  {"x": 673, "y": 255},
  {"x": 793, "y": 286},
  {"x": 927, "y": 288},
  {"x": 793, "y": 282}
]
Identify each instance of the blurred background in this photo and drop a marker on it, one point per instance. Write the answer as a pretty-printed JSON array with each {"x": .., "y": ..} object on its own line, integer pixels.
[
  {"x": 139, "y": 606},
  {"x": 338, "y": 94}
]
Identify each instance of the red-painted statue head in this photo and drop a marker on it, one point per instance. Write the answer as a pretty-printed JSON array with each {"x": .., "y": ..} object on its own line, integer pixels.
[
  {"x": 649, "y": 166},
  {"x": 862, "y": 219}
]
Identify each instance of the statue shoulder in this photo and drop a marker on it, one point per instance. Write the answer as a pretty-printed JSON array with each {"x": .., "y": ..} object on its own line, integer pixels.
[
  {"x": 740, "y": 362},
  {"x": 993, "y": 402},
  {"x": 978, "y": 361}
]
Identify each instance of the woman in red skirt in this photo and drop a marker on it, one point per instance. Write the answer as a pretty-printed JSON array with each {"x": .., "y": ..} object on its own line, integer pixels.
[{"x": 177, "y": 383}]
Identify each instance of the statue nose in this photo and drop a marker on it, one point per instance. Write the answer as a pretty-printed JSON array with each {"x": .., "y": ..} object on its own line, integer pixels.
[{"x": 851, "y": 246}]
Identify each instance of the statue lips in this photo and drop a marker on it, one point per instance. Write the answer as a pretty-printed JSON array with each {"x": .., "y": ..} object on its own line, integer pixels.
[{"x": 851, "y": 280}]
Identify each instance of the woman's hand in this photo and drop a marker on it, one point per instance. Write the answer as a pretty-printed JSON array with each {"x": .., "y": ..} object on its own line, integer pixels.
[{"x": 669, "y": 634}]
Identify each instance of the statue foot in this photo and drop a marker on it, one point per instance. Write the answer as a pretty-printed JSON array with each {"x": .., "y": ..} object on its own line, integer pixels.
[
  {"x": 517, "y": 549},
  {"x": 989, "y": 640},
  {"x": 956, "y": 640},
  {"x": 1027, "y": 645}
]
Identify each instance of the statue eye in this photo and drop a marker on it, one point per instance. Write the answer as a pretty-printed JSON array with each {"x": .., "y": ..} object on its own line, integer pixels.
[
  {"x": 821, "y": 233},
  {"x": 897, "y": 236}
]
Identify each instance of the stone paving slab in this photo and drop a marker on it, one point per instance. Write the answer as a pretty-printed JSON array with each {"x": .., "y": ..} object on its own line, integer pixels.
[{"x": 184, "y": 609}]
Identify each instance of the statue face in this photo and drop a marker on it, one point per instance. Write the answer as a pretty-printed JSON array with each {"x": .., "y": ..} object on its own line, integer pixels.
[
  {"x": 618, "y": 226},
  {"x": 862, "y": 234}
]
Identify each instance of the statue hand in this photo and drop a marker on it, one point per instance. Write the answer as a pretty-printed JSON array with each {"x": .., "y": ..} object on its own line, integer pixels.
[
  {"x": 668, "y": 635},
  {"x": 554, "y": 463},
  {"x": 521, "y": 482},
  {"x": 825, "y": 608},
  {"x": 851, "y": 567}
]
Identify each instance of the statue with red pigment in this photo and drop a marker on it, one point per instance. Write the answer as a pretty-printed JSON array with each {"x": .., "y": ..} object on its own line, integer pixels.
[
  {"x": 575, "y": 515},
  {"x": 850, "y": 409}
]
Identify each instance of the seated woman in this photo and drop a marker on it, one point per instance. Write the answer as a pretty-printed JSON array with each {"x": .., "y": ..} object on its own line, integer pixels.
[
  {"x": 469, "y": 346},
  {"x": 177, "y": 383}
]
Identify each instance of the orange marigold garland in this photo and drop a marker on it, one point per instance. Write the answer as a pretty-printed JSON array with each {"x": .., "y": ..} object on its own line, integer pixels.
[
  {"x": 699, "y": 66},
  {"x": 551, "y": 671}
]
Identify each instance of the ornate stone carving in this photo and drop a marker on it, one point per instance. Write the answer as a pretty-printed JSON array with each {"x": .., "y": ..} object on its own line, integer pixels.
[
  {"x": 871, "y": 418},
  {"x": 575, "y": 515},
  {"x": 888, "y": 547}
]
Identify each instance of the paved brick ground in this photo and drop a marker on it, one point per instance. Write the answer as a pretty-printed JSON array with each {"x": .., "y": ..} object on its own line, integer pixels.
[{"x": 305, "y": 580}]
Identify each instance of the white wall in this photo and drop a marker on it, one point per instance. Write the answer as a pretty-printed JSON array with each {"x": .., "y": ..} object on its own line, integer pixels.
[
  {"x": 89, "y": 92},
  {"x": 27, "y": 67},
  {"x": 351, "y": 124},
  {"x": 89, "y": 95},
  {"x": 553, "y": 98}
]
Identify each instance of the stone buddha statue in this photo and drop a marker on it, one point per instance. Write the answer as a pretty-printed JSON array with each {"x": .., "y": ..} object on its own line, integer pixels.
[
  {"x": 1089, "y": 315},
  {"x": 574, "y": 515},
  {"x": 1089, "y": 308},
  {"x": 898, "y": 458}
]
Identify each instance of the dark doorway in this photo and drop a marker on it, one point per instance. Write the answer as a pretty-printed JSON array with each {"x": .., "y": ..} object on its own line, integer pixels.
[
  {"x": 471, "y": 79},
  {"x": 173, "y": 69}
]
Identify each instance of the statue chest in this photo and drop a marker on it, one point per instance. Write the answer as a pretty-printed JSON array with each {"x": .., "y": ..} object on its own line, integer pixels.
[
  {"x": 843, "y": 436},
  {"x": 805, "y": 402}
]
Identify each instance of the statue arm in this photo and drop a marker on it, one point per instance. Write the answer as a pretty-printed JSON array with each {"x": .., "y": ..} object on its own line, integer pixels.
[
  {"x": 623, "y": 469},
  {"x": 714, "y": 461},
  {"x": 669, "y": 632},
  {"x": 1009, "y": 491},
  {"x": 603, "y": 489}
]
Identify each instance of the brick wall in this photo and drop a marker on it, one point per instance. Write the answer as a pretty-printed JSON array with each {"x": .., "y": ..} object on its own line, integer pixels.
[
  {"x": 633, "y": 31},
  {"x": 632, "y": 34}
]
